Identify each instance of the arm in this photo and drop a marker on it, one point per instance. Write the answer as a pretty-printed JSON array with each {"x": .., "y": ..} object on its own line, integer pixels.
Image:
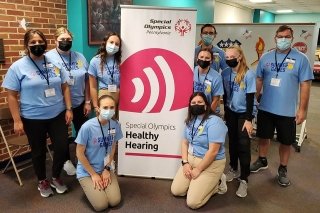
[
  {"x": 215, "y": 103},
  {"x": 304, "y": 101},
  {"x": 67, "y": 99},
  {"x": 249, "y": 109},
  {"x": 93, "y": 91},
  {"x": 187, "y": 169},
  {"x": 259, "y": 82},
  {"x": 106, "y": 178},
  {"x": 207, "y": 160},
  {"x": 15, "y": 111},
  {"x": 87, "y": 104},
  {"x": 96, "y": 179}
]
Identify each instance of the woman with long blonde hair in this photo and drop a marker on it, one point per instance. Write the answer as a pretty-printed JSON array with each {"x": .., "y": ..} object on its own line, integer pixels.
[{"x": 239, "y": 84}]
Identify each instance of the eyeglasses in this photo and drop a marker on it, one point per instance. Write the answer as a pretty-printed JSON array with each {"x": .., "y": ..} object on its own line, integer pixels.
[
  {"x": 208, "y": 33},
  {"x": 288, "y": 36}
]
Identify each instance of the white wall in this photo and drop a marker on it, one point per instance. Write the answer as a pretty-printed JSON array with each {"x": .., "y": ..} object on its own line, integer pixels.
[{"x": 225, "y": 12}]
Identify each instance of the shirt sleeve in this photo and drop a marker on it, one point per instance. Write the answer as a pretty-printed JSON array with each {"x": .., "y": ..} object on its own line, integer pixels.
[
  {"x": 217, "y": 130},
  {"x": 12, "y": 81},
  {"x": 83, "y": 135},
  {"x": 217, "y": 86},
  {"x": 92, "y": 70},
  {"x": 305, "y": 71},
  {"x": 119, "y": 134}
]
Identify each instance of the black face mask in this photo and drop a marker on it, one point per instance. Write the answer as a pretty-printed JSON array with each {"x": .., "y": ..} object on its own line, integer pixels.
[
  {"x": 65, "y": 45},
  {"x": 38, "y": 50},
  {"x": 197, "y": 109},
  {"x": 203, "y": 64},
  {"x": 232, "y": 62}
]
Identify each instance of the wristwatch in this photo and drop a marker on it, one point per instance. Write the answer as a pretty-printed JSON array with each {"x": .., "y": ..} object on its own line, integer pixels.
[
  {"x": 183, "y": 162},
  {"x": 106, "y": 167},
  {"x": 69, "y": 108}
]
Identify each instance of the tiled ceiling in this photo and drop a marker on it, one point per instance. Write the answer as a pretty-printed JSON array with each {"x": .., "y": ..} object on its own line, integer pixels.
[{"x": 298, "y": 6}]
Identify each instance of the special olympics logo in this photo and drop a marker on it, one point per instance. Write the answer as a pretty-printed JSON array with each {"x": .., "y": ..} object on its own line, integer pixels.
[
  {"x": 155, "y": 80},
  {"x": 182, "y": 26}
]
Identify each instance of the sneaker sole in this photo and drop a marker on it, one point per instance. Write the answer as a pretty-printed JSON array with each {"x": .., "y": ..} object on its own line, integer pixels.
[
  {"x": 242, "y": 196},
  {"x": 283, "y": 184},
  {"x": 43, "y": 195},
  {"x": 57, "y": 190},
  {"x": 261, "y": 168}
]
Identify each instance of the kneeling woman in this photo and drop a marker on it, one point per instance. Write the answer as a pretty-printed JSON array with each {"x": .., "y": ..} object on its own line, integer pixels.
[
  {"x": 96, "y": 144},
  {"x": 203, "y": 154}
]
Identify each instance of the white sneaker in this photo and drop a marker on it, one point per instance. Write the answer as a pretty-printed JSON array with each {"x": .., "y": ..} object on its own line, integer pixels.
[
  {"x": 223, "y": 185},
  {"x": 243, "y": 188},
  {"x": 69, "y": 168},
  {"x": 231, "y": 174}
]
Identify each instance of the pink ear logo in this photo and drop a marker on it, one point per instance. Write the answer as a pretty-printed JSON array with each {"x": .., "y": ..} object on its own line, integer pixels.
[{"x": 155, "y": 80}]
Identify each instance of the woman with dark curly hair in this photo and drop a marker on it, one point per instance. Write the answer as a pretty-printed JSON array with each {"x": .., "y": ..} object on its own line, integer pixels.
[{"x": 104, "y": 73}]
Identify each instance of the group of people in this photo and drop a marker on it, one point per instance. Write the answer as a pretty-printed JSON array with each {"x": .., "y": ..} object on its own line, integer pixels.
[
  {"x": 49, "y": 90},
  {"x": 59, "y": 87},
  {"x": 280, "y": 75}
]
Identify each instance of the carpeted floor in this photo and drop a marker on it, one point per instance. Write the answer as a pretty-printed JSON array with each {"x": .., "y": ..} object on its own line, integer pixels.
[{"x": 151, "y": 195}]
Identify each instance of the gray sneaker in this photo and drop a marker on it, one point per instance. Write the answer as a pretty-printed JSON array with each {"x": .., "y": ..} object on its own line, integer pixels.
[
  {"x": 223, "y": 185},
  {"x": 258, "y": 165},
  {"x": 58, "y": 185},
  {"x": 44, "y": 188},
  {"x": 243, "y": 188},
  {"x": 283, "y": 180},
  {"x": 231, "y": 174}
]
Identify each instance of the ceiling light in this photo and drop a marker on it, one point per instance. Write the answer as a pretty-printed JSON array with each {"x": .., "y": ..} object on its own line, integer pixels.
[
  {"x": 260, "y": 1},
  {"x": 284, "y": 11}
]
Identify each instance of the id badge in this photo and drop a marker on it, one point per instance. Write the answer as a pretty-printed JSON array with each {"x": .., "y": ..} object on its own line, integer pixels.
[
  {"x": 112, "y": 88},
  {"x": 50, "y": 92},
  {"x": 275, "y": 82},
  {"x": 71, "y": 80},
  {"x": 112, "y": 131},
  {"x": 190, "y": 149}
]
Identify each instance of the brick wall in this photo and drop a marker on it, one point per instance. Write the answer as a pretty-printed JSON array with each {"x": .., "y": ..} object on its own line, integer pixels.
[{"x": 45, "y": 15}]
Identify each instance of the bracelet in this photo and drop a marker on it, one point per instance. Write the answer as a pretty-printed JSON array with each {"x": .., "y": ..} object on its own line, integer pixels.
[
  {"x": 87, "y": 102},
  {"x": 69, "y": 108}
]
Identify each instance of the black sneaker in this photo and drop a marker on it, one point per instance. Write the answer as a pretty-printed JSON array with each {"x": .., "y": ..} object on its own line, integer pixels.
[
  {"x": 283, "y": 180},
  {"x": 258, "y": 165}
]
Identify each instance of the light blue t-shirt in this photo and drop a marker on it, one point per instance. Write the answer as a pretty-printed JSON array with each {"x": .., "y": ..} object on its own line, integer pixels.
[
  {"x": 219, "y": 60},
  {"x": 91, "y": 137},
  {"x": 77, "y": 69},
  {"x": 210, "y": 84},
  {"x": 282, "y": 99},
  {"x": 110, "y": 74},
  {"x": 24, "y": 77},
  {"x": 212, "y": 130},
  {"x": 236, "y": 100}
]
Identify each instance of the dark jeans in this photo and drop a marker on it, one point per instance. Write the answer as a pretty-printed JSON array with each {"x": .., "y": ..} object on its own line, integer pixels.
[
  {"x": 239, "y": 143},
  {"x": 37, "y": 131},
  {"x": 78, "y": 120}
]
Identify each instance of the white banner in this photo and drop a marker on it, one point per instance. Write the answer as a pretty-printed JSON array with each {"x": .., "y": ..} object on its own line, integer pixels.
[{"x": 156, "y": 83}]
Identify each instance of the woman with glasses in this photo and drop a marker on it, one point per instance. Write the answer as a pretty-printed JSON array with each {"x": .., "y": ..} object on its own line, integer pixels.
[
  {"x": 44, "y": 108},
  {"x": 75, "y": 67}
]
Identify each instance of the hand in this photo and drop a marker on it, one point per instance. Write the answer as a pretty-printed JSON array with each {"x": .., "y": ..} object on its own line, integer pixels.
[
  {"x": 86, "y": 109},
  {"x": 18, "y": 127},
  {"x": 97, "y": 181},
  {"x": 69, "y": 116},
  {"x": 248, "y": 126},
  {"x": 106, "y": 178},
  {"x": 195, "y": 173},
  {"x": 187, "y": 169},
  {"x": 300, "y": 116}
]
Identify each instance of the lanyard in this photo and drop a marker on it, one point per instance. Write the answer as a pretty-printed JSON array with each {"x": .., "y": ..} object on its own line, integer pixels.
[
  {"x": 231, "y": 85},
  {"x": 194, "y": 133},
  {"x": 204, "y": 77},
  {"x": 68, "y": 68},
  {"x": 111, "y": 73},
  {"x": 103, "y": 137},
  {"x": 275, "y": 57},
  {"x": 45, "y": 65}
]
